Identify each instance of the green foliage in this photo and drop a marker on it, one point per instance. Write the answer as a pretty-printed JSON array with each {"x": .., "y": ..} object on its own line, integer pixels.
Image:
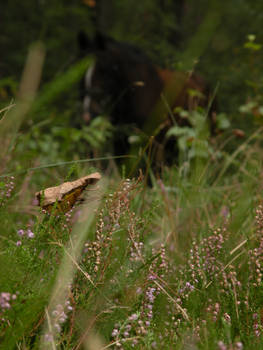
[
  {"x": 98, "y": 133},
  {"x": 165, "y": 266},
  {"x": 176, "y": 265},
  {"x": 61, "y": 84},
  {"x": 193, "y": 140}
]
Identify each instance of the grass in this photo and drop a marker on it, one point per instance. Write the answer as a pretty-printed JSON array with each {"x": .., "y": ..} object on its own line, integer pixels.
[
  {"x": 174, "y": 266},
  {"x": 178, "y": 265}
]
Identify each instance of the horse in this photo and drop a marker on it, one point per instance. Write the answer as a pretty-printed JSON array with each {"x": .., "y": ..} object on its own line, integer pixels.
[{"x": 137, "y": 94}]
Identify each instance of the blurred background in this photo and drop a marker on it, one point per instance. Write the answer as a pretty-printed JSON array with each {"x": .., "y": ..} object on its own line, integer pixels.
[{"x": 221, "y": 40}]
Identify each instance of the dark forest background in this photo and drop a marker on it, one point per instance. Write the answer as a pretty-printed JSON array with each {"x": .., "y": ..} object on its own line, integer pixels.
[{"x": 222, "y": 40}]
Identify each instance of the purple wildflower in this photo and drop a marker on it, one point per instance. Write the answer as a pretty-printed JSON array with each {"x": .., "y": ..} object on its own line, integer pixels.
[
  {"x": 30, "y": 234},
  {"x": 20, "y": 232}
]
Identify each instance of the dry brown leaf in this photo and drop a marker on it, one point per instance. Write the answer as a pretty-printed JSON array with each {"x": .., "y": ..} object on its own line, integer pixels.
[{"x": 64, "y": 196}]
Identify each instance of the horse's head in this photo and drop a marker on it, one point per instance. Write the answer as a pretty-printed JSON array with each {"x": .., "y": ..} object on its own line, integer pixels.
[{"x": 123, "y": 83}]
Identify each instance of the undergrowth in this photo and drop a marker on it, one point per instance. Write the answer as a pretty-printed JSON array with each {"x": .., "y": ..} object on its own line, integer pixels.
[
  {"x": 157, "y": 270},
  {"x": 177, "y": 265}
]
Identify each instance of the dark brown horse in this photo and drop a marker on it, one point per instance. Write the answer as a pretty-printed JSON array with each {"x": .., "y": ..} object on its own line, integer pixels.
[{"x": 125, "y": 85}]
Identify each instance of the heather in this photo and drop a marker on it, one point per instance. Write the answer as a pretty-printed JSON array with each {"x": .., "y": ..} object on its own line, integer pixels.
[
  {"x": 177, "y": 264},
  {"x": 163, "y": 256}
]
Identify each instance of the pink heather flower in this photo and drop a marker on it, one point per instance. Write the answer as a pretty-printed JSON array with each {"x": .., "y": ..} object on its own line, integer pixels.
[
  {"x": 150, "y": 295},
  {"x": 30, "y": 234},
  {"x": 221, "y": 345},
  {"x": 257, "y": 333},
  {"x": 151, "y": 277},
  {"x": 128, "y": 327},
  {"x": 57, "y": 327},
  {"x": 5, "y": 298},
  {"x": 115, "y": 332},
  {"x": 154, "y": 345},
  {"x": 255, "y": 326},
  {"x": 18, "y": 243},
  {"x": 20, "y": 232},
  {"x": 48, "y": 338},
  {"x": 6, "y": 295},
  {"x": 227, "y": 317},
  {"x": 133, "y": 317},
  {"x": 150, "y": 314},
  {"x": 139, "y": 290}
]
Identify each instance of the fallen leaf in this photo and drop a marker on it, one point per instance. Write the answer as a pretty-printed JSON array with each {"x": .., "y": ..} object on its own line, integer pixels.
[{"x": 63, "y": 197}]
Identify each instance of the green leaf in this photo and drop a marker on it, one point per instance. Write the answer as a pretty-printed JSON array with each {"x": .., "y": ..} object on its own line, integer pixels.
[
  {"x": 222, "y": 121},
  {"x": 180, "y": 131}
]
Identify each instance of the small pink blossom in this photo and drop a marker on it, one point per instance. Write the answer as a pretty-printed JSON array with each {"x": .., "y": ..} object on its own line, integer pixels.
[
  {"x": 20, "y": 232},
  {"x": 30, "y": 234}
]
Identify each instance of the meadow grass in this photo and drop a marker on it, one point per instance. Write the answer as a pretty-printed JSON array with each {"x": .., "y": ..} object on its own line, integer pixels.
[
  {"x": 177, "y": 265},
  {"x": 173, "y": 266}
]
